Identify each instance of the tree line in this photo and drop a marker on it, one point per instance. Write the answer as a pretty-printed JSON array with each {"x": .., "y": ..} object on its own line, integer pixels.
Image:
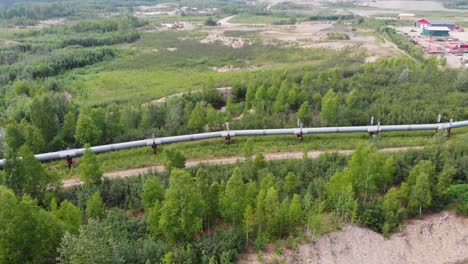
[
  {"x": 395, "y": 91},
  {"x": 44, "y": 55}
]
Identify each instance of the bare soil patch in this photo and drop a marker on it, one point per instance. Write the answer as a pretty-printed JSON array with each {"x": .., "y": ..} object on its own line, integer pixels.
[
  {"x": 46, "y": 23},
  {"x": 217, "y": 36},
  {"x": 438, "y": 238}
]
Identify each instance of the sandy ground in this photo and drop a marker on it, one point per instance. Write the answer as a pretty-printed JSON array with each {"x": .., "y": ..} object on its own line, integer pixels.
[
  {"x": 46, "y": 23},
  {"x": 224, "y": 160},
  {"x": 438, "y": 238},
  {"x": 218, "y": 36},
  {"x": 304, "y": 35}
]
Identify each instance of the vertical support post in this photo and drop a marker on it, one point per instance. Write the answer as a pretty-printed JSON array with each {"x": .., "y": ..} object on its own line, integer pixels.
[
  {"x": 154, "y": 146},
  {"x": 449, "y": 129},
  {"x": 371, "y": 123},
  {"x": 300, "y": 136},
  {"x": 439, "y": 119},
  {"x": 377, "y": 132},
  {"x": 228, "y": 136},
  {"x": 69, "y": 161}
]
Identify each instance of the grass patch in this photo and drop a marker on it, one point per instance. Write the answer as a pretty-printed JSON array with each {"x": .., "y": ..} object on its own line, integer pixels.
[
  {"x": 141, "y": 85},
  {"x": 165, "y": 63},
  {"x": 7, "y": 33}
]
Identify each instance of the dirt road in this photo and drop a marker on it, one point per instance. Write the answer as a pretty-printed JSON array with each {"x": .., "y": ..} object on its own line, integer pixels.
[{"x": 225, "y": 160}]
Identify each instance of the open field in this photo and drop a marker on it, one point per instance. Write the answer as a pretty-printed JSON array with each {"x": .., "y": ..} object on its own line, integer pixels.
[{"x": 166, "y": 62}]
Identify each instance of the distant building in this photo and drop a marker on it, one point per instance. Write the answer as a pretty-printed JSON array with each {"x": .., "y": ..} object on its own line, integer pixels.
[
  {"x": 436, "y": 31},
  {"x": 432, "y": 22},
  {"x": 406, "y": 16}
]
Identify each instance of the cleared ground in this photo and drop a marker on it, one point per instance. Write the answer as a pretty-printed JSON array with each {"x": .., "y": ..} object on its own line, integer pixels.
[{"x": 438, "y": 238}]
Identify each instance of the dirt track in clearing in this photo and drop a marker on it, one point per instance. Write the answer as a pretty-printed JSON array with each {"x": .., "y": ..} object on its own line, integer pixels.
[{"x": 226, "y": 160}]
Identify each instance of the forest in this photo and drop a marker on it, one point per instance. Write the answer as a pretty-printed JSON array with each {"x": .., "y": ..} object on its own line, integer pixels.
[
  {"x": 51, "y": 99},
  {"x": 210, "y": 214}
]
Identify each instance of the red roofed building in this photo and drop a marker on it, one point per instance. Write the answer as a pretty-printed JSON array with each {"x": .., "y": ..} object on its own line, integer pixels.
[{"x": 432, "y": 22}]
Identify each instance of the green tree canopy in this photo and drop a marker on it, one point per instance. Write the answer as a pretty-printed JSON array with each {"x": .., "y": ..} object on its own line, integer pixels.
[
  {"x": 304, "y": 114},
  {"x": 197, "y": 119},
  {"x": 26, "y": 175},
  {"x": 28, "y": 234},
  {"x": 99, "y": 242},
  {"x": 90, "y": 170},
  {"x": 68, "y": 214},
  {"x": 69, "y": 128},
  {"x": 95, "y": 207},
  {"x": 180, "y": 214},
  {"x": 87, "y": 132},
  {"x": 152, "y": 191},
  {"x": 45, "y": 117},
  {"x": 330, "y": 108},
  {"x": 234, "y": 201}
]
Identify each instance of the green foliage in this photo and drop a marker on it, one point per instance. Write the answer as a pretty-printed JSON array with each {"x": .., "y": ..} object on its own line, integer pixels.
[
  {"x": 69, "y": 215},
  {"x": 174, "y": 159},
  {"x": 87, "y": 131},
  {"x": 459, "y": 193},
  {"x": 248, "y": 222},
  {"x": 28, "y": 234},
  {"x": 315, "y": 219},
  {"x": 304, "y": 114},
  {"x": 282, "y": 197},
  {"x": 291, "y": 183},
  {"x": 223, "y": 246},
  {"x": 69, "y": 128},
  {"x": 90, "y": 171},
  {"x": 152, "y": 192},
  {"x": 180, "y": 214},
  {"x": 392, "y": 210},
  {"x": 420, "y": 182},
  {"x": 421, "y": 192},
  {"x": 197, "y": 120},
  {"x": 234, "y": 200},
  {"x": 95, "y": 207},
  {"x": 330, "y": 107},
  {"x": 342, "y": 198},
  {"x": 26, "y": 175},
  {"x": 108, "y": 241},
  {"x": 210, "y": 22},
  {"x": 44, "y": 117}
]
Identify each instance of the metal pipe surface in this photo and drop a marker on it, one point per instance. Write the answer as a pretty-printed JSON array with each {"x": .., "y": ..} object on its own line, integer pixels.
[{"x": 249, "y": 132}]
